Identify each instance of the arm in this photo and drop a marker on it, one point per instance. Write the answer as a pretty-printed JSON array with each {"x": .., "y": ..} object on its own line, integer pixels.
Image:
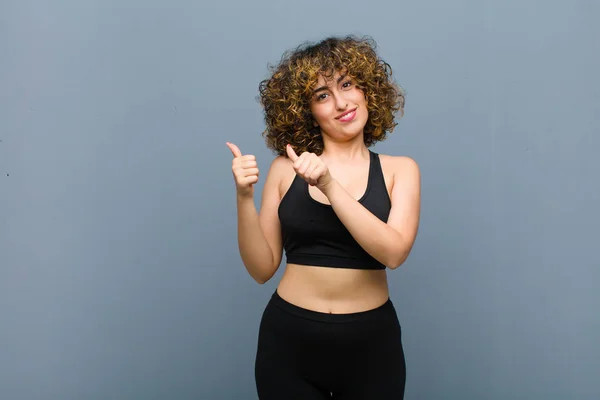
[
  {"x": 259, "y": 237},
  {"x": 390, "y": 243}
]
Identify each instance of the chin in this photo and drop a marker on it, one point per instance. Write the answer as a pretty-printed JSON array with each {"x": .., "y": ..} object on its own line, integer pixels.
[
  {"x": 349, "y": 130},
  {"x": 353, "y": 133}
]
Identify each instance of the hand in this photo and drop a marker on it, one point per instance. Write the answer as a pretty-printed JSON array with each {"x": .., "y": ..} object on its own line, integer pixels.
[
  {"x": 310, "y": 167},
  {"x": 245, "y": 171}
]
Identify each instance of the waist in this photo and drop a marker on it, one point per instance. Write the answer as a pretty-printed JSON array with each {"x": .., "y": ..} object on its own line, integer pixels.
[{"x": 333, "y": 290}]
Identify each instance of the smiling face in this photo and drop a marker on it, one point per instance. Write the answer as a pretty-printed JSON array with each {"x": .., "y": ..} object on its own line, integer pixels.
[{"x": 339, "y": 107}]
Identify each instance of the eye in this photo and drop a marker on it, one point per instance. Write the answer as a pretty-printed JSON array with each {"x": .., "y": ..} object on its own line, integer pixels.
[
  {"x": 347, "y": 84},
  {"x": 321, "y": 96}
]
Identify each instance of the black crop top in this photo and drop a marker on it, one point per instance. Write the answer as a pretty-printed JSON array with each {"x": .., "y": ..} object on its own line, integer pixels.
[{"x": 313, "y": 234}]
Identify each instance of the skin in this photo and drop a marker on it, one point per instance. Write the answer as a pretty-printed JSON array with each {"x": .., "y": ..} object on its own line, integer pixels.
[{"x": 337, "y": 177}]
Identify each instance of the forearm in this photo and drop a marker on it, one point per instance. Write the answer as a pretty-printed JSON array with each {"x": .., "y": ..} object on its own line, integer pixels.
[
  {"x": 255, "y": 251},
  {"x": 376, "y": 237}
]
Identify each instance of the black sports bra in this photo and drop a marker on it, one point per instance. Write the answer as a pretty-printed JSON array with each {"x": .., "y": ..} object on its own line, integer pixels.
[{"x": 313, "y": 234}]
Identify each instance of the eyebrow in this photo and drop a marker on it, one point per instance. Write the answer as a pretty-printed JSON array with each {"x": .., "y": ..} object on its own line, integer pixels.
[{"x": 326, "y": 87}]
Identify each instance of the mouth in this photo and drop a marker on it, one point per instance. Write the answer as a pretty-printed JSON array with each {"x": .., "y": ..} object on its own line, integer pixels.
[{"x": 347, "y": 116}]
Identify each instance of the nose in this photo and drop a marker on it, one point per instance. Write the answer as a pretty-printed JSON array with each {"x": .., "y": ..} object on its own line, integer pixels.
[{"x": 341, "y": 103}]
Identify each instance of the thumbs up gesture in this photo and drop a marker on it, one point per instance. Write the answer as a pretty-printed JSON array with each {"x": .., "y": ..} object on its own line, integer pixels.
[
  {"x": 245, "y": 171},
  {"x": 310, "y": 167}
]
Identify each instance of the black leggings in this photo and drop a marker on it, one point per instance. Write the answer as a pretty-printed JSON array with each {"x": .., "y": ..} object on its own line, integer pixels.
[{"x": 306, "y": 355}]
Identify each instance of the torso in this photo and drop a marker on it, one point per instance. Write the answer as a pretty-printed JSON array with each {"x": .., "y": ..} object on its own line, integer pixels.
[{"x": 337, "y": 290}]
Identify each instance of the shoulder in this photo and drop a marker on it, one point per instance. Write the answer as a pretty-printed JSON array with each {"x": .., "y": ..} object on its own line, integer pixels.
[
  {"x": 401, "y": 166},
  {"x": 280, "y": 176},
  {"x": 281, "y": 172},
  {"x": 281, "y": 162},
  {"x": 406, "y": 180},
  {"x": 281, "y": 166}
]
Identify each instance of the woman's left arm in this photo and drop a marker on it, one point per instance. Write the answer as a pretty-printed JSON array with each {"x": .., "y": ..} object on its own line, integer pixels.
[{"x": 390, "y": 243}]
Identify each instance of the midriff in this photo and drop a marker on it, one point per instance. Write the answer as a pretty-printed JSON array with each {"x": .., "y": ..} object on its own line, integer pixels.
[{"x": 333, "y": 290}]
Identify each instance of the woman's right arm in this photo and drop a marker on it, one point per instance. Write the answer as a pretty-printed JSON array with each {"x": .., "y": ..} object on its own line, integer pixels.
[{"x": 259, "y": 234}]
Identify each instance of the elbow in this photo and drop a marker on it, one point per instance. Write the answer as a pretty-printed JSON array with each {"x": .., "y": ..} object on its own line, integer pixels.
[
  {"x": 264, "y": 277},
  {"x": 393, "y": 264},
  {"x": 397, "y": 251},
  {"x": 261, "y": 280},
  {"x": 262, "y": 272},
  {"x": 398, "y": 255},
  {"x": 396, "y": 261}
]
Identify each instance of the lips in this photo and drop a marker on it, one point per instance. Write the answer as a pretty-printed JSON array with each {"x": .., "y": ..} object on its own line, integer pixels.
[{"x": 347, "y": 116}]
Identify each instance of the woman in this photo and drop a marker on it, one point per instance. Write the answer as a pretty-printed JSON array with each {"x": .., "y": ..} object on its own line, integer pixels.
[{"x": 342, "y": 213}]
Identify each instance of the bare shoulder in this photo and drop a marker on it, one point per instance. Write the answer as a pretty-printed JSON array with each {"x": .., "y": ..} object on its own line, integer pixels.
[
  {"x": 280, "y": 175},
  {"x": 280, "y": 167},
  {"x": 281, "y": 163},
  {"x": 405, "y": 192},
  {"x": 402, "y": 167}
]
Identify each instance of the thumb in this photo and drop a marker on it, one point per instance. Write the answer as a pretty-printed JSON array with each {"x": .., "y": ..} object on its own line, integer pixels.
[
  {"x": 291, "y": 153},
  {"x": 234, "y": 149}
]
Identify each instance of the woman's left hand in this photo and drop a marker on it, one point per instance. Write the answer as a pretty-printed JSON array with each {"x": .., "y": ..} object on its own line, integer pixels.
[{"x": 310, "y": 167}]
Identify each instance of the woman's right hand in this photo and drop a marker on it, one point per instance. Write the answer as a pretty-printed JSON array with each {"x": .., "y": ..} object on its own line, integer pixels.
[{"x": 245, "y": 171}]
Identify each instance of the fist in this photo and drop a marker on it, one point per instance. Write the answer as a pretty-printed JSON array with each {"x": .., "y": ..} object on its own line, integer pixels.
[
  {"x": 245, "y": 170},
  {"x": 310, "y": 167}
]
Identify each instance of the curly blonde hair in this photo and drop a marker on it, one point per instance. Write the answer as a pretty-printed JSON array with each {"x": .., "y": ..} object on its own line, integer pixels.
[{"x": 285, "y": 95}]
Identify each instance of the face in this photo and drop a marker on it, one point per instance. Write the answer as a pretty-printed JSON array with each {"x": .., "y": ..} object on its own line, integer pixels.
[{"x": 339, "y": 107}]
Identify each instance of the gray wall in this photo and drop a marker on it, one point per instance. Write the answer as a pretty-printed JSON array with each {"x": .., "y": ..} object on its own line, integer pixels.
[{"x": 119, "y": 271}]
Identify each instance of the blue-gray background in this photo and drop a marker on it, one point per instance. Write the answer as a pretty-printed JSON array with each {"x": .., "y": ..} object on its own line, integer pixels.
[{"x": 119, "y": 271}]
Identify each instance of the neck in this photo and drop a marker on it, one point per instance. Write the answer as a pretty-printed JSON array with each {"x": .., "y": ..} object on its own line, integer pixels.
[{"x": 344, "y": 151}]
